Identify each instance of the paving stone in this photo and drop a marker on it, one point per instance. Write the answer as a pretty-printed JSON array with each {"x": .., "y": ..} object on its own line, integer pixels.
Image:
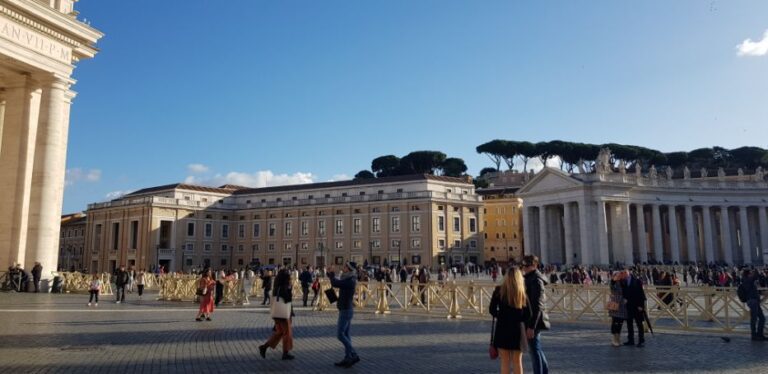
[{"x": 60, "y": 334}]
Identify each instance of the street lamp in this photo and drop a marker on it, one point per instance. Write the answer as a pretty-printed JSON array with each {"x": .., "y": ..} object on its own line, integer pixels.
[
  {"x": 296, "y": 264},
  {"x": 322, "y": 258},
  {"x": 399, "y": 258},
  {"x": 370, "y": 257}
]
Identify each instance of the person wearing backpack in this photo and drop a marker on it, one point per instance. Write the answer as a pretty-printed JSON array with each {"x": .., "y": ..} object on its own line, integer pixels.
[{"x": 748, "y": 293}]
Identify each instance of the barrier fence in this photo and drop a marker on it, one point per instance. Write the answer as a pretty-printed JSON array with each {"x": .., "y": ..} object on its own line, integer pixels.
[{"x": 705, "y": 309}]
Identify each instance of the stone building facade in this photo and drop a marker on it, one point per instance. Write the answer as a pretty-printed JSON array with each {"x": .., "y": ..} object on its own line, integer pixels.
[
  {"x": 72, "y": 242},
  {"x": 503, "y": 224},
  {"x": 608, "y": 217},
  {"x": 40, "y": 42},
  {"x": 408, "y": 219}
]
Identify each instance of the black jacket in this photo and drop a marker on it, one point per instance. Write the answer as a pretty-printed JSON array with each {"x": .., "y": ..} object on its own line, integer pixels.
[
  {"x": 306, "y": 278},
  {"x": 122, "y": 278},
  {"x": 537, "y": 300},
  {"x": 634, "y": 294},
  {"x": 346, "y": 291}
]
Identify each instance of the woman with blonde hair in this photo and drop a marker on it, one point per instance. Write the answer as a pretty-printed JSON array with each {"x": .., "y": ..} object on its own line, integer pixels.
[{"x": 509, "y": 305}]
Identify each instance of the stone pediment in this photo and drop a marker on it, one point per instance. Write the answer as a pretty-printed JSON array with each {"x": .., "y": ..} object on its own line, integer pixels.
[{"x": 549, "y": 179}]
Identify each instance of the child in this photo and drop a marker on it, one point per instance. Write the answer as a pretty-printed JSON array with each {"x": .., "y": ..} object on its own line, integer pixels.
[{"x": 95, "y": 289}]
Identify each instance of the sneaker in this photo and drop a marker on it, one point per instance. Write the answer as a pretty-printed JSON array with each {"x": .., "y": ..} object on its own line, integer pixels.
[
  {"x": 89, "y": 304},
  {"x": 208, "y": 319},
  {"x": 263, "y": 351},
  {"x": 117, "y": 302},
  {"x": 353, "y": 361},
  {"x": 288, "y": 356},
  {"x": 97, "y": 304},
  {"x": 198, "y": 319},
  {"x": 343, "y": 362}
]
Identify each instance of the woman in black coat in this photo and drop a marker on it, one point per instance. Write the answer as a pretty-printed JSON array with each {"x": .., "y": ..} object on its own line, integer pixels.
[{"x": 509, "y": 306}]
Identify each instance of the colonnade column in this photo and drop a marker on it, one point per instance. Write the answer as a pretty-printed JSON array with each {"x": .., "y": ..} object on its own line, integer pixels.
[
  {"x": 658, "y": 244},
  {"x": 642, "y": 239},
  {"x": 725, "y": 235},
  {"x": 746, "y": 242},
  {"x": 543, "y": 242},
  {"x": 763, "y": 218},
  {"x": 709, "y": 250},
  {"x": 584, "y": 232},
  {"x": 568, "y": 232},
  {"x": 626, "y": 233},
  {"x": 602, "y": 233},
  {"x": 16, "y": 165},
  {"x": 674, "y": 237},
  {"x": 48, "y": 177},
  {"x": 690, "y": 234},
  {"x": 527, "y": 227}
]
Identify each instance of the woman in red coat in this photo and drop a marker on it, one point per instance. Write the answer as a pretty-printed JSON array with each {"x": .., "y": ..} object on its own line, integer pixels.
[{"x": 207, "y": 285}]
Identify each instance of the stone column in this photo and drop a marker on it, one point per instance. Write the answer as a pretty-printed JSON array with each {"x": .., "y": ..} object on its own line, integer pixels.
[
  {"x": 16, "y": 162},
  {"x": 48, "y": 177},
  {"x": 746, "y": 242},
  {"x": 543, "y": 242},
  {"x": 690, "y": 234},
  {"x": 674, "y": 235},
  {"x": 585, "y": 230},
  {"x": 725, "y": 235},
  {"x": 527, "y": 229},
  {"x": 763, "y": 218},
  {"x": 626, "y": 233},
  {"x": 658, "y": 244},
  {"x": 709, "y": 250},
  {"x": 602, "y": 234},
  {"x": 642, "y": 239},
  {"x": 568, "y": 232},
  {"x": 2, "y": 118}
]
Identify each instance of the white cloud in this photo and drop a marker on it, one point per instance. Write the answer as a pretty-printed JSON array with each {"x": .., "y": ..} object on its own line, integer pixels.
[
  {"x": 197, "y": 168},
  {"x": 750, "y": 48},
  {"x": 339, "y": 177},
  {"x": 116, "y": 194},
  {"x": 75, "y": 175},
  {"x": 264, "y": 178}
]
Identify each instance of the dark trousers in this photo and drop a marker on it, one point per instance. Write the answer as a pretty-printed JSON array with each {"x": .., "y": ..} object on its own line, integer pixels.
[
  {"x": 94, "y": 294},
  {"x": 756, "y": 318},
  {"x": 37, "y": 284},
  {"x": 219, "y": 292},
  {"x": 305, "y": 292},
  {"x": 140, "y": 288},
  {"x": 314, "y": 298},
  {"x": 636, "y": 316},
  {"x": 616, "y": 324},
  {"x": 266, "y": 297},
  {"x": 120, "y": 292}
]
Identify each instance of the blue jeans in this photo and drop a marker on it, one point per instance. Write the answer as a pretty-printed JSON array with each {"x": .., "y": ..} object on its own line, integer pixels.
[
  {"x": 538, "y": 359},
  {"x": 756, "y": 317},
  {"x": 342, "y": 332}
]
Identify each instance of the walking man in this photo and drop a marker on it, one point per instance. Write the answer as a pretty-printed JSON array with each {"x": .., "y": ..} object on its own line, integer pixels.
[
  {"x": 306, "y": 280},
  {"x": 37, "y": 272},
  {"x": 635, "y": 300},
  {"x": 537, "y": 299},
  {"x": 756, "y": 316},
  {"x": 121, "y": 280},
  {"x": 346, "y": 285}
]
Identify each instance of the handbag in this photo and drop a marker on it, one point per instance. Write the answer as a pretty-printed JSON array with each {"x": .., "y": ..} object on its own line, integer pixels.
[
  {"x": 331, "y": 295},
  {"x": 612, "y": 306},
  {"x": 280, "y": 308},
  {"x": 493, "y": 353}
]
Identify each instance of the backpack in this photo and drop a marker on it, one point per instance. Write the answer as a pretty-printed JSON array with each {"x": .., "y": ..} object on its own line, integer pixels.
[{"x": 741, "y": 292}]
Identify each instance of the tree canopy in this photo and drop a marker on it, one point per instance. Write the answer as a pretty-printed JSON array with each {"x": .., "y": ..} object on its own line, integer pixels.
[{"x": 417, "y": 162}]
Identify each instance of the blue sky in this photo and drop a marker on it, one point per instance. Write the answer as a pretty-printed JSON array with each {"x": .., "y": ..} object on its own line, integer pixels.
[{"x": 267, "y": 92}]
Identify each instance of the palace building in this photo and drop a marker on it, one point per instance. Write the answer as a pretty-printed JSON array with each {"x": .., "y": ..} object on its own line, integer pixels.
[
  {"x": 40, "y": 42},
  {"x": 414, "y": 220},
  {"x": 613, "y": 216}
]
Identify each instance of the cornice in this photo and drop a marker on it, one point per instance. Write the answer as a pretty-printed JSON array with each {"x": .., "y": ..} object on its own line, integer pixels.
[{"x": 29, "y": 13}]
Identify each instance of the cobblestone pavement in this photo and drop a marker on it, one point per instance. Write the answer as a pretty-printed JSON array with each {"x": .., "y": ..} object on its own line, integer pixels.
[{"x": 60, "y": 334}]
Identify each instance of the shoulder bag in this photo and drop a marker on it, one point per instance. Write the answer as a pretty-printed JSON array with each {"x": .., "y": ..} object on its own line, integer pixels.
[{"x": 280, "y": 308}]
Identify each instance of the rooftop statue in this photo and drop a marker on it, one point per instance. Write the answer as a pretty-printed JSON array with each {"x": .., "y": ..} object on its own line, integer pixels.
[
  {"x": 720, "y": 173},
  {"x": 652, "y": 173},
  {"x": 603, "y": 162},
  {"x": 686, "y": 173},
  {"x": 703, "y": 172},
  {"x": 669, "y": 172}
]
